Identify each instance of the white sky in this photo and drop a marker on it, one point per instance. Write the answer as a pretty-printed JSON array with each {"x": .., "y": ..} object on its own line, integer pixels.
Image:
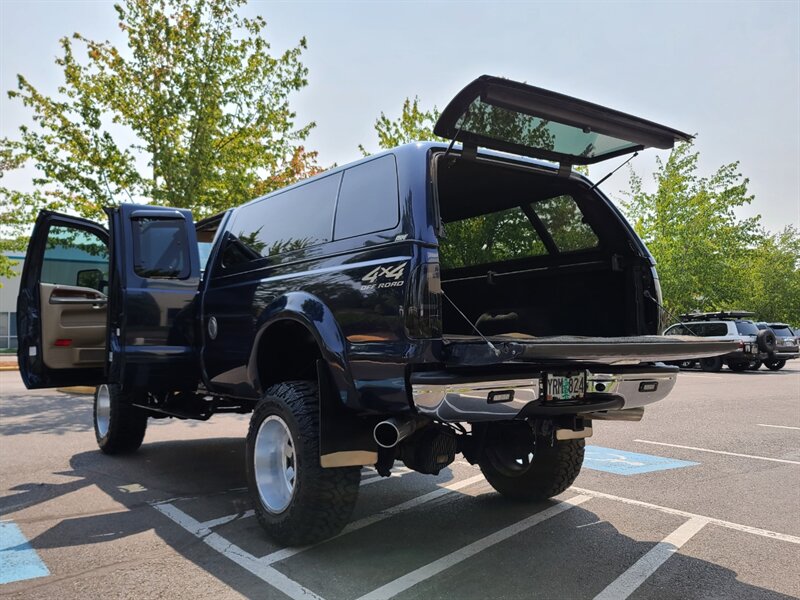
[{"x": 729, "y": 72}]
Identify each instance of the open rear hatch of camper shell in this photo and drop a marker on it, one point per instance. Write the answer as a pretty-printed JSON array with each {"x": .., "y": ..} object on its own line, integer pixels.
[{"x": 464, "y": 350}]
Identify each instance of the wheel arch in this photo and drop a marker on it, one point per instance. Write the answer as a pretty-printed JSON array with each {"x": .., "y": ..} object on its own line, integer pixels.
[{"x": 292, "y": 337}]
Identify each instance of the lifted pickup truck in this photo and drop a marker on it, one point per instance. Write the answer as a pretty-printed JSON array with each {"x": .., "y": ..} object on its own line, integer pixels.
[{"x": 415, "y": 304}]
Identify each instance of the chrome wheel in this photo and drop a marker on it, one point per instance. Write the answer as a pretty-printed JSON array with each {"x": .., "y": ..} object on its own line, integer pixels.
[
  {"x": 102, "y": 410},
  {"x": 274, "y": 464}
]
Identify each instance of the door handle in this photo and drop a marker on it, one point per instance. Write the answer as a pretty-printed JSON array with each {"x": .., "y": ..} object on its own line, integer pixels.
[{"x": 72, "y": 300}]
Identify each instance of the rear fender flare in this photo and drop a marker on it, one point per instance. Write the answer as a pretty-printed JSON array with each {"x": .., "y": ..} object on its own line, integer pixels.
[{"x": 318, "y": 319}]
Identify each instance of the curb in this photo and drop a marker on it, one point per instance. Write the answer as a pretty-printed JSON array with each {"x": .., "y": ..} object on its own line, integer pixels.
[{"x": 9, "y": 367}]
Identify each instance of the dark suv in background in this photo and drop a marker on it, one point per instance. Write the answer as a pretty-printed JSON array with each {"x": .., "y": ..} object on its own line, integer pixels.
[
  {"x": 787, "y": 345},
  {"x": 425, "y": 301}
]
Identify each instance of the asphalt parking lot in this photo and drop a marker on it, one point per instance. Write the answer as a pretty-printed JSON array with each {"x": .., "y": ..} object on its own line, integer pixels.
[{"x": 699, "y": 500}]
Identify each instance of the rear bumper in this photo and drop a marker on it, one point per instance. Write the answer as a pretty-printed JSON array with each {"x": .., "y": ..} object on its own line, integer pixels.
[{"x": 450, "y": 397}]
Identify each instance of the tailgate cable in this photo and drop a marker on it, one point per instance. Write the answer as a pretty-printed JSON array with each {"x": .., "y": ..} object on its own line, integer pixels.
[
  {"x": 471, "y": 324},
  {"x": 649, "y": 296}
]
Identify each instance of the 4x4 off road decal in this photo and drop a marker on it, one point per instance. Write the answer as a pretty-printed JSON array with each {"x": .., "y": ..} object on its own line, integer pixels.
[{"x": 383, "y": 277}]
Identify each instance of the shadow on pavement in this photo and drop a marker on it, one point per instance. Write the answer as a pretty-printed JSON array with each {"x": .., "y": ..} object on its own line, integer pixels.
[{"x": 214, "y": 467}]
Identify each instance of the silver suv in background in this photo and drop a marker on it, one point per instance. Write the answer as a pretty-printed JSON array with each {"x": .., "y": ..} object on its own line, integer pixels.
[
  {"x": 754, "y": 345},
  {"x": 787, "y": 345}
]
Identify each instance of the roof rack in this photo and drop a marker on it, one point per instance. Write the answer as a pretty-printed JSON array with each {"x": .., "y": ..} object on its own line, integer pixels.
[{"x": 721, "y": 315}]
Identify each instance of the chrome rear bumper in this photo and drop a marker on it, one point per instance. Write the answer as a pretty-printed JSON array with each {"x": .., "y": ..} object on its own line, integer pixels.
[{"x": 450, "y": 398}]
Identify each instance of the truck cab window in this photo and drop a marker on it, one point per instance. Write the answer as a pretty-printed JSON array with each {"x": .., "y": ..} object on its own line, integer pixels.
[
  {"x": 160, "y": 248},
  {"x": 74, "y": 257}
]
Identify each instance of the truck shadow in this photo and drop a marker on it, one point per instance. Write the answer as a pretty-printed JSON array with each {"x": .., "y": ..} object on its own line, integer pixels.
[{"x": 208, "y": 469}]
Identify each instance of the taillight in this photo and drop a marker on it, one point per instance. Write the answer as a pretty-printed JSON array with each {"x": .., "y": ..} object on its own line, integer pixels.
[{"x": 424, "y": 306}]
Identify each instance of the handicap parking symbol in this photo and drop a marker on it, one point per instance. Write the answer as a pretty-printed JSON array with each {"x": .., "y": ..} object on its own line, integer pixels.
[{"x": 622, "y": 462}]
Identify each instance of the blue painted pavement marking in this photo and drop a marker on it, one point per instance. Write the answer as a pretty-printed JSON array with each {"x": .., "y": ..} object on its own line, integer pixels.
[
  {"x": 622, "y": 462},
  {"x": 18, "y": 560}
]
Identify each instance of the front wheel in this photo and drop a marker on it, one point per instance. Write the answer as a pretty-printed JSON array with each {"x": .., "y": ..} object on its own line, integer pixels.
[
  {"x": 546, "y": 471},
  {"x": 754, "y": 365},
  {"x": 775, "y": 365},
  {"x": 118, "y": 426},
  {"x": 738, "y": 367},
  {"x": 296, "y": 501}
]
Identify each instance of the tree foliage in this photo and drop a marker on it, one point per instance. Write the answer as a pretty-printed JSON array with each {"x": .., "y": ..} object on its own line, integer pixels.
[
  {"x": 709, "y": 258},
  {"x": 413, "y": 125},
  {"x": 193, "y": 112}
]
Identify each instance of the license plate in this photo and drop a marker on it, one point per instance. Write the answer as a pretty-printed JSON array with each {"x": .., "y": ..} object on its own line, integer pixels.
[{"x": 565, "y": 387}]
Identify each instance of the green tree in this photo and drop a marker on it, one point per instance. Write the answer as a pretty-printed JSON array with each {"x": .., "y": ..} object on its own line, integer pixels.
[
  {"x": 413, "y": 125},
  {"x": 709, "y": 258},
  {"x": 194, "y": 112}
]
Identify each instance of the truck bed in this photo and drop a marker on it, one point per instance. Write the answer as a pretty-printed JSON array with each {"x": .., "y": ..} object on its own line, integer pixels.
[{"x": 520, "y": 347}]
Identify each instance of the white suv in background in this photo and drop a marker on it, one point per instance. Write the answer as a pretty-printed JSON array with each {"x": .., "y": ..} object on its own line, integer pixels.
[{"x": 754, "y": 346}]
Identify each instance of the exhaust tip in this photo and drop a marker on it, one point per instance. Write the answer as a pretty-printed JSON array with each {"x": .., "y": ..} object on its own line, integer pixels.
[{"x": 386, "y": 434}]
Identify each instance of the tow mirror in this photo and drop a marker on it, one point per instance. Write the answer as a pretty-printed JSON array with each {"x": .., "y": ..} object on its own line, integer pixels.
[{"x": 90, "y": 278}]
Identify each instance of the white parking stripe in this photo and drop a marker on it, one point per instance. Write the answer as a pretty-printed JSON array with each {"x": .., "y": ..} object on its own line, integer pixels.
[
  {"x": 285, "y": 553},
  {"x": 627, "y": 583},
  {"x": 414, "y": 577},
  {"x": 784, "y": 537},
  {"x": 777, "y": 426},
  {"x": 242, "y": 558},
  {"x": 778, "y": 460},
  {"x": 227, "y": 519}
]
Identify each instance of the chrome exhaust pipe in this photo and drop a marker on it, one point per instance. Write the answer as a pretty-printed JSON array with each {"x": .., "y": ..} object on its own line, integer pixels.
[{"x": 392, "y": 431}]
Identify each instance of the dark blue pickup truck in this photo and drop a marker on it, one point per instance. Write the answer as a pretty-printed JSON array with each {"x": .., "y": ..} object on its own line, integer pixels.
[{"x": 430, "y": 300}]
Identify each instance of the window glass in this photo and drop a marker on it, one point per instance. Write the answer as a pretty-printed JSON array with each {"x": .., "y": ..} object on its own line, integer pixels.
[
  {"x": 516, "y": 127},
  {"x": 494, "y": 237},
  {"x": 746, "y": 328},
  {"x": 290, "y": 220},
  {"x": 782, "y": 331},
  {"x": 74, "y": 257},
  {"x": 677, "y": 330},
  {"x": 564, "y": 221},
  {"x": 709, "y": 329},
  {"x": 3, "y": 325},
  {"x": 160, "y": 248},
  {"x": 368, "y": 199},
  {"x": 13, "y": 323}
]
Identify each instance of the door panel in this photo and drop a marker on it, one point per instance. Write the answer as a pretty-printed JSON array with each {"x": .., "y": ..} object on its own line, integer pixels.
[
  {"x": 61, "y": 321},
  {"x": 73, "y": 326},
  {"x": 152, "y": 299}
]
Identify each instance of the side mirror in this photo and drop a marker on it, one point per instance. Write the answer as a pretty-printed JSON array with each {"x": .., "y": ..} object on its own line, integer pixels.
[{"x": 90, "y": 278}]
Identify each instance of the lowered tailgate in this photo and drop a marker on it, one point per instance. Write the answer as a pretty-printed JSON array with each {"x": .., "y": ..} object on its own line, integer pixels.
[{"x": 474, "y": 350}]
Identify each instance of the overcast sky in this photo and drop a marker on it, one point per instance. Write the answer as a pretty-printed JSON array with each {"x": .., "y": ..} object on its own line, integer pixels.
[{"x": 729, "y": 72}]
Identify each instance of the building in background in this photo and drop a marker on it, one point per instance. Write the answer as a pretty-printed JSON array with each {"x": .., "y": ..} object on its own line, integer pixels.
[{"x": 8, "y": 305}]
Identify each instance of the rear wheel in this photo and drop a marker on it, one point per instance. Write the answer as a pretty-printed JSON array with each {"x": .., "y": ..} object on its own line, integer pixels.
[
  {"x": 296, "y": 501},
  {"x": 775, "y": 365},
  {"x": 754, "y": 365},
  {"x": 546, "y": 471},
  {"x": 713, "y": 364},
  {"x": 118, "y": 427},
  {"x": 739, "y": 367}
]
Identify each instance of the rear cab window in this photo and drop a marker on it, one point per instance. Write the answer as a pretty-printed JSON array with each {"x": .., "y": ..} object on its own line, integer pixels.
[
  {"x": 160, "y": 248},
  {"x": 357, "y": 201}
]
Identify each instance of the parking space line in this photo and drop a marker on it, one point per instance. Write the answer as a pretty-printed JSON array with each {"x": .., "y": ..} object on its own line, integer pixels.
[
  {"x": 784, "y": 537},
  {"x": 778, "y": 460},
  {"x": 627, "y": 583},
  {"x": 285, "y": 553},
  {"x": 421, "y": 574},
  {"x": 777, "y": 426},
  {"x": 236, "y": 554},
  {"x": 227, "y": 519}
]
